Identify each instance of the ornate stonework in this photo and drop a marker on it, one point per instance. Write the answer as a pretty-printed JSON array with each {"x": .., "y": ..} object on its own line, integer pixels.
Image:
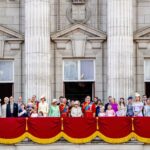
[{"x": 78, "y": 12}]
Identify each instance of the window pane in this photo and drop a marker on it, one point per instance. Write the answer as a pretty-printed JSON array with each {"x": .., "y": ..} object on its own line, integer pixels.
[
  {"x": 70, "y": 70},
  {"x": 87, "y": 70},
  {"x": 147, "y": 69},
  {"x": 6, "y": 71}
]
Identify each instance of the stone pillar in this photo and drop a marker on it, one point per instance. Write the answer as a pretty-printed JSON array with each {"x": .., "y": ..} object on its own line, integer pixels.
[
  {"x": 37, "y": 48},
  {"x": 120, "y": 48}
]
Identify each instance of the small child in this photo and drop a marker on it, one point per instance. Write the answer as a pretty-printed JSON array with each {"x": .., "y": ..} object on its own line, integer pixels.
[
  {"x": 102, "y": 113},
  {"x": 40, "y": 114},
  {"x": 34, "y": 113},
  {"x": 110, "y": 112}
]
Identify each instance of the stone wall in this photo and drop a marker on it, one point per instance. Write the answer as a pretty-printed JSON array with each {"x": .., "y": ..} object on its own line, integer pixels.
[{"x": 9, "y": 14}]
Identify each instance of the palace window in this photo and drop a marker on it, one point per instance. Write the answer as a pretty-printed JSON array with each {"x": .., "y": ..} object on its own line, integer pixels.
[
  {"x": 79, "y": 70},
  {"x": 6, "y": 71},
  {"x": 147, "y": 70}
]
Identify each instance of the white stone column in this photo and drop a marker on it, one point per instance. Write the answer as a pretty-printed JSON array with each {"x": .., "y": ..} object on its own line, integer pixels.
[
  {"x": 37, "y": 48},
  {"x": 120, "y": 48}
]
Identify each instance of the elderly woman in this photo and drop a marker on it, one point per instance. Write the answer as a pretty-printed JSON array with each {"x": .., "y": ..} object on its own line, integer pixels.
[
  {"x": 54, "y": 109},
  {"x": 43, "y": 106},
  {"x": 76, "y": 110},
  {"x": 4, "y": 106}
]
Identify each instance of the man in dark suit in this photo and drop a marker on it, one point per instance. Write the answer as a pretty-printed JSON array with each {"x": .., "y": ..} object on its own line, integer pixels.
[{"x": 12, "y": 108}]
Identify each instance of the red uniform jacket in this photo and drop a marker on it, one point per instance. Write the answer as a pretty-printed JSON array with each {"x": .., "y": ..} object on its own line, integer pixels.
[
  {"x": 89, "y": 109},
  {"x": 64, "y": 110}
]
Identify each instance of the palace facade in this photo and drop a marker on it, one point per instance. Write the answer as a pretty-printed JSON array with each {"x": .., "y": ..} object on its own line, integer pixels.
[{"x": 74, "y": 48}]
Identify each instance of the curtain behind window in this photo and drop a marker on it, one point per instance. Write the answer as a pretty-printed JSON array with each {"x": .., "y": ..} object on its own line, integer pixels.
[
  {"x": 87, "y": 70},
  {"x": 6, "y": 71},
  {"x": 147, "y": 69}
]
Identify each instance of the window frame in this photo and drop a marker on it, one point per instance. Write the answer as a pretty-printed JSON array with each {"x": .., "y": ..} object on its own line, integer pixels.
[
  {"x": 4, "y": 60},
  {"x": 79, "y": 71}
]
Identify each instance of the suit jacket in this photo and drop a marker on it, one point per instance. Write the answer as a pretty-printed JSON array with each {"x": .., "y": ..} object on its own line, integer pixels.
[{"x": 15, "y": 110}]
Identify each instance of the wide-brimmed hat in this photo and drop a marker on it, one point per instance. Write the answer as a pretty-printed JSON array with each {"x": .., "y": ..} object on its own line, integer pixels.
[
  {"x": 54, "y": 100},
  {"x": 42, "y": 97},
  {"x": 137, "y": 94}
]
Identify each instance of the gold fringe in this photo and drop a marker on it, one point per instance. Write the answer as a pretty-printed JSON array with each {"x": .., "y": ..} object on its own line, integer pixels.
[
  {"x": 44, "y": 141},
  {"x": 115, "y": 140},
  {"x": 13, "y": 141},
  {"x": 141, "y": 139},
  {"x": 75, "y": 140},
  {"x": 79, "y": 140}
]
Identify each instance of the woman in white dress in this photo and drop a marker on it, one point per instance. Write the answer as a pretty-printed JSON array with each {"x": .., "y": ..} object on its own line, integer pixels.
[
  {"x": 76, "y": 110},
  {"x": 138, "y": 106},
  {"x": 43, "y": 106},
  {"x": 4, "y": 106}
]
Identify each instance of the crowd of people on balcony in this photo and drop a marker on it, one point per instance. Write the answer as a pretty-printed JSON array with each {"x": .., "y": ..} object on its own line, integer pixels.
[{"x": 132, "y": 107}]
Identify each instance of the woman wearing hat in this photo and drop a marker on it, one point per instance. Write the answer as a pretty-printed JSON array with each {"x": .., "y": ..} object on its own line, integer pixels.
[
  {"x": 43, "y": 106},
  {"x": 130, "y": 112},
  {"x": 76, "y": 110},
  {"x": 54, "y": 109},
  {"x": 138, "y": 105}
]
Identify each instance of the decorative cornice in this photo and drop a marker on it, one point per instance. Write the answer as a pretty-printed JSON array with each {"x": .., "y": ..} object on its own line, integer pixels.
[
  {"x": 97, "y": 35},
  {"x": 142, "y": 35},
  {"x": 11, "y": 32}
]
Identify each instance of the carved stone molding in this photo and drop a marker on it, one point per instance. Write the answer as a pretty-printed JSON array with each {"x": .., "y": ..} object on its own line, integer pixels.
[
  {"x": 11, "y": 37},
  {"x": 1, "y": 48},
  {"x": 78, "y": 45},
  {"x": 79, "y": 35},
  {"x": 142, "y": 38},
  {"x": 78, "y": 13}
]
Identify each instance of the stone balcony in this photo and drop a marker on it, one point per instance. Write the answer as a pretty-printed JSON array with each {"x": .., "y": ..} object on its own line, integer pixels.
[{"x": 62, "y": 144}]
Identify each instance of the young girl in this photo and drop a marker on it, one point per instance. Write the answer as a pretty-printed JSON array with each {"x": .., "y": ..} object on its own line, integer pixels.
[
  {"x": 102, "y": 113},
  {"x": 121, "y": 108},
  {"x": 110, "y": 112},
  {"x": 34, "y": 113}
]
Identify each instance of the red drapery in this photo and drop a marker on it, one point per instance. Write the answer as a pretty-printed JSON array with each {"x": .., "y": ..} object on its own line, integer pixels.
[
  {"x": 12, "y": 128},
  {"x": 79, "y": 127},
  {"x": 44, "y": 127},
  {"x": 75, "y": 130},
  {"x": 115, "y": 127}
]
